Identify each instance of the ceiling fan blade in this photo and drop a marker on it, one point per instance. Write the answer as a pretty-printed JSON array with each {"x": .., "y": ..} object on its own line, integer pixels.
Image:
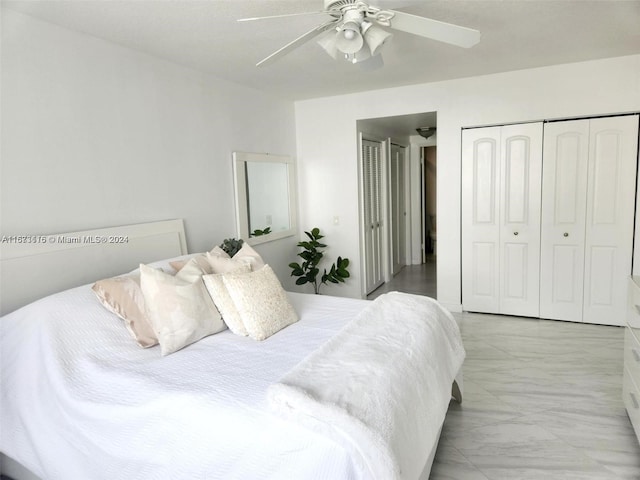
[
  {"x": 279, "y": 16},
  {"x": 297, "y": 42},
  {"x": 434, "y": 29}
]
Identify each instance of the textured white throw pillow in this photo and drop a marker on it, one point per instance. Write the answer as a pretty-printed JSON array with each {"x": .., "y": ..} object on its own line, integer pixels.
[
  {"x": 224, "y": 302},
  {"x": 261, "y": 301},
  {"x": 181, "y": 313}
]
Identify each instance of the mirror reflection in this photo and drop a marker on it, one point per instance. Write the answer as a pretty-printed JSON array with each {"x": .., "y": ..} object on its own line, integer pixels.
[{"x": 265, "y": 196}]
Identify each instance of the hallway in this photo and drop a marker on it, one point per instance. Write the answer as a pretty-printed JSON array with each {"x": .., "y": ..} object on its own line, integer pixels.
[{"x": 418, "y": 279}]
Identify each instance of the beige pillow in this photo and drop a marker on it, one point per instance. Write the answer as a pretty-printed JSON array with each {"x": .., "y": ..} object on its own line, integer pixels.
[
  {"x": 181, "y": 312},
  {"x": 123, "y": 296},
  {"x": 201, "y": 259},
  {"x": 222, "y": 299},
  {"x": 261, "y": 302}
]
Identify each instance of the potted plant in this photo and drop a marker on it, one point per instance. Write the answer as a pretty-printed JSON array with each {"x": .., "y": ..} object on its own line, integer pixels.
[{"x": 308, "y": 271}]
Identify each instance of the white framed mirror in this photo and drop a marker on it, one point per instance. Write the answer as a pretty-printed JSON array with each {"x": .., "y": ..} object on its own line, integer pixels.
[{"x": 265, "y": 196}]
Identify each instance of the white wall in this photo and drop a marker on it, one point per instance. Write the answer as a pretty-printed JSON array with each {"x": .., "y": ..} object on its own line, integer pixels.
[
  {"x": 95, "y": 135},
  {"x": 327, "y": 142}
]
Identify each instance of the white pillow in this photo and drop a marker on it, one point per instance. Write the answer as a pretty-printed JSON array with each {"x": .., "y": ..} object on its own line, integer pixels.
[
  {"x": 261, "y": 302},
  {"x": 224, "y": 302},
  {"x": 201, "y": 258},
  {"x": 181, "y": 313},
  {"x": 192, "y": 270},
  {"x": 249, "y": 255},
  {"x": 225, "y": 264},
  {"x": 245, "y": 256}
]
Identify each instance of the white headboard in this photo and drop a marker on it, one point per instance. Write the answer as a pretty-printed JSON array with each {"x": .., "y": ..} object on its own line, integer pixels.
[{"x": 34, "y": 266}]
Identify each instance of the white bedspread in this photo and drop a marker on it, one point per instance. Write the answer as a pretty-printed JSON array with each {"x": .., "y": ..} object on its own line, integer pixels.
[
  {"x": 80, "y": 400},
  {"x": 380, "y": 387}
]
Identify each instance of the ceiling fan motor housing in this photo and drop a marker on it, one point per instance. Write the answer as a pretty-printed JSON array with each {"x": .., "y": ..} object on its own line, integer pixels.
[{"x": 338, "y": 4}]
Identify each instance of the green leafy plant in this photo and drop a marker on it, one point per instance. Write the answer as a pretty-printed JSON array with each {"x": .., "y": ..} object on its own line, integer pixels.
[
  {"x": 231, "y": 245},
  {"x": 308, "y": 271},
  {"x": 257, "y": 232}
]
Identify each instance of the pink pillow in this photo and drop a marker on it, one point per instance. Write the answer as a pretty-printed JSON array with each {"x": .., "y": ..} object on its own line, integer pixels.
[{"x": 123, "y": 296}]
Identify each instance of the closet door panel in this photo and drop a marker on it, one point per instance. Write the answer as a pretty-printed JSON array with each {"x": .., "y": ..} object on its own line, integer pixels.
[
  {"x": 372, "y": 213},
  {"x": 610, "y": 215},
  {"x": 564, "y": 191},
  {"x": 521, "y": 177},
  {"x": 480, "y": 219}
]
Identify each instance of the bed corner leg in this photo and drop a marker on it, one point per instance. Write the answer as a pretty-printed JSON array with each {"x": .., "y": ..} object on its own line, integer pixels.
[{"x": 455, "y": 392}]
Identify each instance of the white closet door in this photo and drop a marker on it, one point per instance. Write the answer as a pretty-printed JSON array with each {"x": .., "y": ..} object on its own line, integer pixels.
[
  {"x": 372, "y": 210},
  {"x": 521, "y": 182},
  {"x": 398, "y": 209},
  {"x": 481, "y": 219},
  {"x": 613, "y": 150},
  {"x": 564, "y": 194}
]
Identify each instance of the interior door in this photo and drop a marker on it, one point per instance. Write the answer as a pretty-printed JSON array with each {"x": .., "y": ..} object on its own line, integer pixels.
[
  {"x": 520, "y": 186},
  {"x": 398, "y": 208},
  {"x": 372, "y": 214},
  {"x": 613, "y": 154},
  {"x": 481, "y": 219},
  {"x": 564, "y": 199}
]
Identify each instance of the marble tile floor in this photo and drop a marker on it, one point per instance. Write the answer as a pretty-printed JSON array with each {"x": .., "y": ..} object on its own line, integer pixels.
[
  {"x": 418, "y": 279},
  {"x": 542, "y": 400}
]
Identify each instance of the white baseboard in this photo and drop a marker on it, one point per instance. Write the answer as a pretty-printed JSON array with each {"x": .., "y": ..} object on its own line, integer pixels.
[{"x": 452, "y": 307}]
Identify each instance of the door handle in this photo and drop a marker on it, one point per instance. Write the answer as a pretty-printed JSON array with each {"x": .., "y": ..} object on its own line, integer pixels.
[
  {"x": 565, "y": 234},
  {"x": 515, "y": 233}
]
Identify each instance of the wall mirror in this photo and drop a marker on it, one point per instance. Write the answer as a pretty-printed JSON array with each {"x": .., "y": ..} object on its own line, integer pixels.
[{"x": 265, "y": 196}]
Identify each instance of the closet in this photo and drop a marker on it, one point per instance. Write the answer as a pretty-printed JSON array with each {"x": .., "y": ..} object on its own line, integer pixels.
[
  {"x": 588, "y": 204},
  {"x": 372, "y": 213},
  {"x": 547, "y": 227},
  {"x": 501, "y": 181}
]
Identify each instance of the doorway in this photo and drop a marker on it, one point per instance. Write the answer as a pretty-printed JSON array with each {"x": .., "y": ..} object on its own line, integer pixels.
[
  {"x": 430, "y": 206},
  {"x": 409, "y": 231}
]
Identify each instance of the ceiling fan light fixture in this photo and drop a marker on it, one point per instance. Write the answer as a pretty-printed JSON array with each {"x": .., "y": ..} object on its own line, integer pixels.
[
  {"x": 426, "y": 132},
  {"x": 328, "y": 43},
  {"x": 349, "y": 39},
  {"x": 360, "y": 56},
  {"x": 375, "y": 37}
]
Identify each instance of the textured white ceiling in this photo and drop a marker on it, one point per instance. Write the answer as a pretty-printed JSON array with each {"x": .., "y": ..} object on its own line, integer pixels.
[{"x": 205, "y": 35}]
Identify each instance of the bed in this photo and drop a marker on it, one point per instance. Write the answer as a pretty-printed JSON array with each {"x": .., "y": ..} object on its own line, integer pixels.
[{"x": 81, "y": 400}]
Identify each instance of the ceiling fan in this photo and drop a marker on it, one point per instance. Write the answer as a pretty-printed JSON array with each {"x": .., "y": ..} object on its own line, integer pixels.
[{"x": 357, "y": 35}]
